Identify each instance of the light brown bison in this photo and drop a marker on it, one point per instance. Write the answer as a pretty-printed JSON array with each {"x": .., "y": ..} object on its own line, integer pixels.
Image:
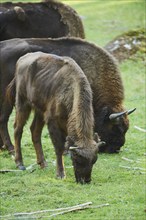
[
  {"x": 60, "y": 94},
  {"x": 111, "y": 119},
  {"x": 39, "y": 19}
]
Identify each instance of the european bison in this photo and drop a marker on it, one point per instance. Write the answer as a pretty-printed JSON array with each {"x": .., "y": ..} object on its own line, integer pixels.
[
  {"x": 60, "y": 94},
  {"x": 41, "y": 19},
  {"x": 111, "y": 121}
]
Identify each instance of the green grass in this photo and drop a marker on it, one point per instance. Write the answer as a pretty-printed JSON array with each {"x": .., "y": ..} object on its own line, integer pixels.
[
  {"x": 123, "y": 189},
  {"x": 106, "y": 19}
]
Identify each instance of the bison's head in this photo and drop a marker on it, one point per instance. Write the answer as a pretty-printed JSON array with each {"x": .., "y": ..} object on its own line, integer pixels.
[
  {"x": 83, "y": 159},
  {"x": 112, "y": 128}
]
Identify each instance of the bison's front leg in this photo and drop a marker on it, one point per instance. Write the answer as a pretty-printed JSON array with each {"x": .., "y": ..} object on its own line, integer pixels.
[
  {"x": 20, "y": 120},
  {"x": 36, "y": 131},
  {"x": 60, "y": 165},
  {"x": 58, "y": 140}
]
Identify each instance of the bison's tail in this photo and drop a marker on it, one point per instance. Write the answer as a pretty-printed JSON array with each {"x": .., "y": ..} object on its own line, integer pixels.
[{"x": 11, "y": 91}]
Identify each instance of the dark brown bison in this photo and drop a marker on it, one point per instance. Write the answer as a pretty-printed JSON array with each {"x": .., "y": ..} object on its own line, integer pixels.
[
  {"x": 111, "y": 121},
  {"x": 60, "y": 94},
  {"x": 41, "y": 19}
]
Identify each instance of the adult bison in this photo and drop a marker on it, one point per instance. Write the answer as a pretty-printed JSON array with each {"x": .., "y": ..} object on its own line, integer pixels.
[
  {"x": 111, "y": 121},
  {"x": 58, "y": 91},
  {"x": 42, "y": 19}
]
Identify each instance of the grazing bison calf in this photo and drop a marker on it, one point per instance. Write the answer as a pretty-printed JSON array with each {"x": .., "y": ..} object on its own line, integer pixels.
[{"x": 58, "y": 91}]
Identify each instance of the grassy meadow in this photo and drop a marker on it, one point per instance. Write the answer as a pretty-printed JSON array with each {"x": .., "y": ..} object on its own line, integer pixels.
[{"x": 115, "y": 180}]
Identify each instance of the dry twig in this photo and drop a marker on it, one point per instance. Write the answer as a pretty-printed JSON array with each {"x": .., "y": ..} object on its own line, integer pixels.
[
  {"x": 48, "y": 210},
  {"x": 31, "y": 166},
  {"x": 132, "y": 161},
  {"x": 127, "y": 159},
  {"x": 59, "y": 211},
  {"x": 142, "y": 172},
  {"x": 140, "y": 129},
  {"x": 78, "y": 208},
  {"x": 7, "y": 171},
  {"x": 133, "y": 168}
]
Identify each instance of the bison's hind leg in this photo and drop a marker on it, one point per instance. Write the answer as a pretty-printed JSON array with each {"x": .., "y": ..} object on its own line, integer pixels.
[
  {"x": 36, "y": 131},
  {"x": 20, "y": 120},
  {"x": 5, "y": 140}
]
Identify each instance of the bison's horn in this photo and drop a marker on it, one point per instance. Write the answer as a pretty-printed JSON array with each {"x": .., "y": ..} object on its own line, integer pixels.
[
  {"x": 131, "y": 111},
  {"x": 73, "y": 148},
  {"x": 117, "y": 115},
  {"x": 101, "y": 143}
]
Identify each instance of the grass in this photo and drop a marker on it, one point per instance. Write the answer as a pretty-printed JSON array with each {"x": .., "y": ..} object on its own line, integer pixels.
[
  {"x": 106, "y": 19},
  {"x": 123, "y": 189}
]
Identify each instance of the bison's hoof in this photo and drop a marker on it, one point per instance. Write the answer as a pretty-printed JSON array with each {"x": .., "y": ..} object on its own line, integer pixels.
[
  {"x": 61, "y": 175},
  {"x": 21, "y": 167},
  {"x": 43, "y": 165}
]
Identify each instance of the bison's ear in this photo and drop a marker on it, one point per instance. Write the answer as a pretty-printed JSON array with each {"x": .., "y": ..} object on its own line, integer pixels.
[
  {"x": 96, "y": 137},
  {"x": 69, "y": 142},
  {"x": 20, "y": 13},
  {"x": 99, "y": 144}
]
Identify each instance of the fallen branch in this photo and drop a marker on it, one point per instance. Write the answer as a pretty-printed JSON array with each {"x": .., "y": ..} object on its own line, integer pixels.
[
  {"x": 140, "y": 129},
  {"x": 130, "y": 160},
  {"x": 7, "y": 171},
  {"x": 133, "y": 168},
  {"x": 31, "y": 166},
  {"x": 142, "y": 172},
  {"x": 48, "y": 210},
  {"x": 27, "y": 168},
  {"x": 127, "y": 159},
  {"x": 69, "y": 210},
  {"x": 63, "y": 211},
  {"x": 78, "y": 208}
]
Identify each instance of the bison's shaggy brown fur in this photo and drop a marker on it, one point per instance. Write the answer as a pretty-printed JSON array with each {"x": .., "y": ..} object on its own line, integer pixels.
[
  {"x": 40, "y": 19},
  {"x": 61, "y": 95},
  {"x": 102, "y": 73}
]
